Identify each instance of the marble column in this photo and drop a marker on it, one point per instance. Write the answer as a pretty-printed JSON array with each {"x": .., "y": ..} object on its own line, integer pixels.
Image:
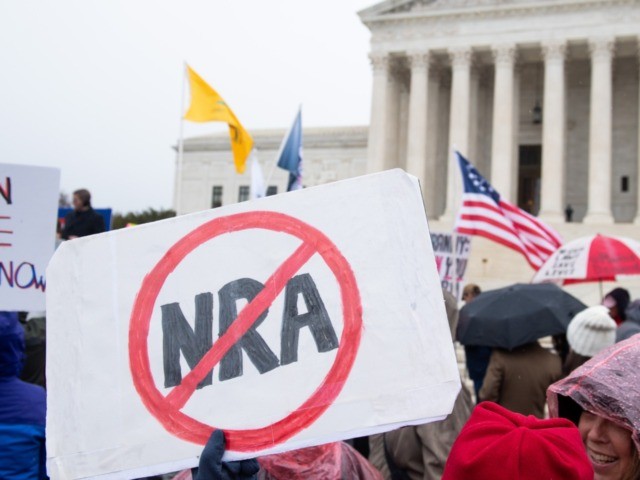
[
  {"x": 599, "y": 207},
  {"x": 399, "y": 111},
  {"x": 459, "y": 122},
  {"x": 418, "y": 111},
  {"x": 433, "y": 184},
  {"x": 379, "y": 116},
  {"x": 474, "y": 97},
  {"x": 553, "y": 133},
  {"x": 503, "y": 138}
]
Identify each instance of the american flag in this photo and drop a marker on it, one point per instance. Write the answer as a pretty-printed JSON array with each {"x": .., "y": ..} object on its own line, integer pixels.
[{"x": 485, "y": 214}]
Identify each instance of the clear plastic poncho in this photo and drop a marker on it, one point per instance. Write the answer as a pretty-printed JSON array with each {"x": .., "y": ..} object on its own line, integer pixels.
[
  {"x": 333, "y": 461},
  {"x": 608, "y": 385}
]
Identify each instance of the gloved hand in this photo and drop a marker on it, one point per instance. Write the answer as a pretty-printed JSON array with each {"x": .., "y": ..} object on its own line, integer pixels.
[{"x": 212, "y": 467}]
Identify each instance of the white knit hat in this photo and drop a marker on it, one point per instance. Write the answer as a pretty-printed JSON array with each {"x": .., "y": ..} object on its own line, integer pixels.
[{"x": 591, "y": 330}]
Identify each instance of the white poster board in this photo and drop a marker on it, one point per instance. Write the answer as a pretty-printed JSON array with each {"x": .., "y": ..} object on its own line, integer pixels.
[
  {"x": 355, "y": 339},
  {"x": 28, "y": 213},
  {"x": 451, "y": 263}
]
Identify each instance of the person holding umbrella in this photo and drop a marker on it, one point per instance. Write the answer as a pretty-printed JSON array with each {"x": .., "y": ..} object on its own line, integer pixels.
[
  {"x": 511, "y": 320},
  {"x": 518, "y": 379}
]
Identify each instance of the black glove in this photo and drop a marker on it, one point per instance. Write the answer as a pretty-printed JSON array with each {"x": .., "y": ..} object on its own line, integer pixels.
[{"x": 212, "y": 467}]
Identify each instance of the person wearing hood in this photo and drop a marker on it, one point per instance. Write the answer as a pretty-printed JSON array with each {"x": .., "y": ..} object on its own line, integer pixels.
[
  {"x": 22, "y": 409},
  {"x": 602, "y": 397},
  {"x": 631, "y": 325},
  {"x": 617, "y": 301},
  {"x": 332, "y": 461}
]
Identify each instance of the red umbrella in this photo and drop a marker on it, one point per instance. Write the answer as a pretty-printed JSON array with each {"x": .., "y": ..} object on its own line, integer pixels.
[{"x": 595, "y": 258}]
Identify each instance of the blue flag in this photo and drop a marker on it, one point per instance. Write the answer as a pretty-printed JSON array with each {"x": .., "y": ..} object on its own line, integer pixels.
[{"x": 291, "y": 154}]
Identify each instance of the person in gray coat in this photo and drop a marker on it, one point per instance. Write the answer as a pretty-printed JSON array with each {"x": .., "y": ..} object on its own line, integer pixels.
[
  {"x": 631, "y": 325},
  {"x": 420, "y": 452}
]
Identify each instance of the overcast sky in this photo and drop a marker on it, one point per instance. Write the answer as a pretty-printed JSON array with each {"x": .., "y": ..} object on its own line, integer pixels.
[{"x": 94, "y": 87}]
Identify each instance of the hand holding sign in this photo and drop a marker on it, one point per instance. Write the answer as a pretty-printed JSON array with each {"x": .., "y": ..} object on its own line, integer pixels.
[
  {"x": 287, "y": 322},
  {"x": 211, "y": 466}
]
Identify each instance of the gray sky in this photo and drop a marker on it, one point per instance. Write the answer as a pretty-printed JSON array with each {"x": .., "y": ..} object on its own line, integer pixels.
[{"x": 94, "y": 87}]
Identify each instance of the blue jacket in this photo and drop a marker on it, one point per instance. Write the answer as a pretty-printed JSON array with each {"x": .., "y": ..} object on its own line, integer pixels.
[{"x": 22, "y": 409}]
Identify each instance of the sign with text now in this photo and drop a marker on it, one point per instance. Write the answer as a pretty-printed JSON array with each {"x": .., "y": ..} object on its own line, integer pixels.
[{"x": 28, "y": 206}]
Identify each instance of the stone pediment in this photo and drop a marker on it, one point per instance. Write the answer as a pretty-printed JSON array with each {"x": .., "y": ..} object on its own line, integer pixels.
[{"x": 391, "y": 7}]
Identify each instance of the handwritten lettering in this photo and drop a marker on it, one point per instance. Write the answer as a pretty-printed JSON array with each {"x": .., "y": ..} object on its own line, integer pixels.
[
  {"x": 193, "y": 343},
  {"x": 451, "y": 276},
  {"x": 21, "y": 275},
  {"x": 5, "y": 190}
]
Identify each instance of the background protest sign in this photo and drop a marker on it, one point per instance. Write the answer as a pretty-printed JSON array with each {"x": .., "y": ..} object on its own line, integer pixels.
[
  {"x": 289, "y": 321},
  {"x": 28, "y": 206},
  {"x": 451, "y": 264}
]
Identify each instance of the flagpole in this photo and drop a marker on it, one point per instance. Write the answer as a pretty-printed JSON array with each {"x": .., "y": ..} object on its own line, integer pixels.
[
  {"x": 254, "y": 171},
  {"x": 181, "y": 142},
  {"x": 273, "y": 169},
  {"x": 454, "y": 233}
]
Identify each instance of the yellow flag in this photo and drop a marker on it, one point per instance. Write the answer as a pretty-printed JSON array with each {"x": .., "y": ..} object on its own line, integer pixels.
[{"x": 208, "y": 106}]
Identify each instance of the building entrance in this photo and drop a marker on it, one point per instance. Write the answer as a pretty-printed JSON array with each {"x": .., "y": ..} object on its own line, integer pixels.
[{"x": 529, "y": 172}]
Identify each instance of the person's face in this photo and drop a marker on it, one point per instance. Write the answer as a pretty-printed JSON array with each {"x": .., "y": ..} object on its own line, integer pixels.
[
  {"x": 608, "y": 445},
  {"x": 77, "y": 203},
  {"x": 613, "y": 312}
]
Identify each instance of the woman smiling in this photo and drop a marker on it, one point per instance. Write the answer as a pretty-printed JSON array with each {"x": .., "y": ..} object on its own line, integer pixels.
[
  {"x": 609, "y": 447},
  {"x": 602, "y": 397}
]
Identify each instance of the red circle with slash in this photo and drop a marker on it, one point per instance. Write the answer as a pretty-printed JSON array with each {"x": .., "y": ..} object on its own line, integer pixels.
[{"x": 167, "y": 409}]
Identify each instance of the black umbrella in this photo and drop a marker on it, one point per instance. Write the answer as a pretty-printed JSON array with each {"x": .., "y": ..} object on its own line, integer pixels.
[{"x": 513, "y": 316}]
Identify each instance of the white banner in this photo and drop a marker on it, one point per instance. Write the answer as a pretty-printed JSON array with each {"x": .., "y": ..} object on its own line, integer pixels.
[
  {"x": 451, "y": 264},
  {"x": 28, "y": 213},
  {"x": 289, "y": 321}
]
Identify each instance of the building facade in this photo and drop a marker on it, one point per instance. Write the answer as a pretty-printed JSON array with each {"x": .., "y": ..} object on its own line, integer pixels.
[
  {"x": 208, "y": 179},
  {"x": 542, "y": 96}
]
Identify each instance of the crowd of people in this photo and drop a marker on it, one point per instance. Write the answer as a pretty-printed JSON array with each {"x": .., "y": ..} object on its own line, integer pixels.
[
  {"x": 535, "y": 412},
  {"x": 539, "y": 414}
]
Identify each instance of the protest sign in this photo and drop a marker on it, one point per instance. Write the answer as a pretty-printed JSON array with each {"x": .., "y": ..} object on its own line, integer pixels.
[
  {"x": 451, "y": 264},
  {"x": 28, "y": 205},
  {"x": 289, "y": 321}
]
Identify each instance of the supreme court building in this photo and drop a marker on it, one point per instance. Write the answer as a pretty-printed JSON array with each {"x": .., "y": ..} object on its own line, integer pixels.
[{"x": 540, "y": 95}]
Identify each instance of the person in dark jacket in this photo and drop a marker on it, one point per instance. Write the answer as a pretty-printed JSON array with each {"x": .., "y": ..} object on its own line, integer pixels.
[
  {"x": 22, "y": 409},
  {"x": 477, "y": 356},
  {"x": 83, "y": 220}
]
